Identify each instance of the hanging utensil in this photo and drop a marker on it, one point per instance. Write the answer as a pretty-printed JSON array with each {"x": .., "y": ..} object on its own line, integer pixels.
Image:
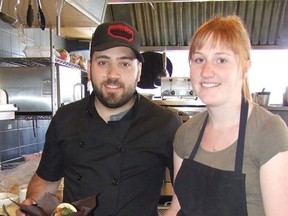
[
  {"x": 5, "y": 17},
  {"x": 30, "y": 14},
  {"x": 41, "y": 17},
  {"x": 18, "y": 23},
  {"x": 58, "y": 6},
  {"x": 164, "y": 61}
]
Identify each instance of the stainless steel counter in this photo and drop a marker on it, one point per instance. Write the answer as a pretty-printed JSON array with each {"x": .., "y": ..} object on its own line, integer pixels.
[
  {"x": 280, "y": 110},
  {"x": 276, "y": 107}
]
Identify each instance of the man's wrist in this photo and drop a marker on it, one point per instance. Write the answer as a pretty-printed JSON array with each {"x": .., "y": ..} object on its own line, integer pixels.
[{"x": 30, "y": 201}]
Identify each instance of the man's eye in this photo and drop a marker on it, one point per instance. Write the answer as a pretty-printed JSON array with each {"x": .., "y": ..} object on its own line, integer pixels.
[
  {"x": 102, "y": 63},
  {"x": 124, "y": 64}
]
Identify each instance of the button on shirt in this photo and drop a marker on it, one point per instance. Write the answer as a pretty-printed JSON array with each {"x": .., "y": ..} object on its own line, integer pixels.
[{"x": 124, "y": 161}]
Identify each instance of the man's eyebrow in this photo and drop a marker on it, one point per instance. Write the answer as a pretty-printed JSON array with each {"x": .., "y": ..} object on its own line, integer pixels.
[
  {"x": 102, "y": 56},
  {"x": 118, "y": 58},
  {"x": 127, "y": 58}
]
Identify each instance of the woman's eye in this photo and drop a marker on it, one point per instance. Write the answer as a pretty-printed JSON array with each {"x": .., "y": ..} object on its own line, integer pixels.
[
  {"x": 222, "y": 60},
  {"x": 198, "y": 60}
]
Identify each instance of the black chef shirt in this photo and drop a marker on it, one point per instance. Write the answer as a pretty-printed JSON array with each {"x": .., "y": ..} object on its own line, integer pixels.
[{"x": 124, "y": 161}]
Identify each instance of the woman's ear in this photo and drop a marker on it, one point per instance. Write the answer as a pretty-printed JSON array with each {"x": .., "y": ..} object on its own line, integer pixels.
[
  {"x": 246, "y": 68},
  {"x": 248, "y": 64}
]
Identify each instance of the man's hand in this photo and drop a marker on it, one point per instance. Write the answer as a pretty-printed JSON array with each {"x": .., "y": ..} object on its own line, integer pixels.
[{"x": 28, "y": 201}]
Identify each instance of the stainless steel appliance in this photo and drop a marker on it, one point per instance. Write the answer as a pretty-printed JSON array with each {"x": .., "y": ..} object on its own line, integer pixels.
[
  {"x": 38, "y": 86},
  {"x": 177, "y": 87},
  {"x": 185, "y": 108},
  {"x": 177, "y": 95}
]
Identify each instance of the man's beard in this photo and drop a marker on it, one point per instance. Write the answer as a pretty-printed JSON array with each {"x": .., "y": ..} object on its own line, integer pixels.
[{"x": 112, "y": 100}]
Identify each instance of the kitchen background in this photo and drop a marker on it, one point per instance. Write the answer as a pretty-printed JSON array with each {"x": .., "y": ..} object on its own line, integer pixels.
[
  {"x": 269, "y": 70},
  {"x": 25, "y": 136}
]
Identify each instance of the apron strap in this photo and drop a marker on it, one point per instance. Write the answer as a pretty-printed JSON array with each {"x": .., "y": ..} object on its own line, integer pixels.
[
  {"x": 194, "y": 151},
  {"x": 241, "y": 136}
]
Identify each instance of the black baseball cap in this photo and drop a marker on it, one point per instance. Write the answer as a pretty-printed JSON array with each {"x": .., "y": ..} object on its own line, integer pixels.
[{"x": 112, "y": 34}]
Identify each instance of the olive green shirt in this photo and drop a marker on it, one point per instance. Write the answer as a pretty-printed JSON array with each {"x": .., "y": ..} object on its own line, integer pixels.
[{"x": 266, "y": 136}]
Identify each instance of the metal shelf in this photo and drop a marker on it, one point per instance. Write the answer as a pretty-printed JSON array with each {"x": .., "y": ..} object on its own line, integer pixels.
[{"x": 35, "y": 62}]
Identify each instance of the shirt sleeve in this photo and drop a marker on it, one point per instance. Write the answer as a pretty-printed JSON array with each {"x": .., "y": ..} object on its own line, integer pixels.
[
  {"x": 267, "y": 137},
  {"x": 50, "y": 166}
]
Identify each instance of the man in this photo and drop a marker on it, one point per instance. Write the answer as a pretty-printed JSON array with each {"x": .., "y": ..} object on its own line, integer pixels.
[{"x": 115, "y": 142}]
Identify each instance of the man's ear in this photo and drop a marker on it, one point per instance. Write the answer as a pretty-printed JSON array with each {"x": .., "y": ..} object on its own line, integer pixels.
[
  {"x": 89, "y": 70},
  {"x": 139, "y": 71}
]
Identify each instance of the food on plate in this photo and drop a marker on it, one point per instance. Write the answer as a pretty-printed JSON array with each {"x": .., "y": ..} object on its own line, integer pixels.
[{"x": 64, "y": 209}]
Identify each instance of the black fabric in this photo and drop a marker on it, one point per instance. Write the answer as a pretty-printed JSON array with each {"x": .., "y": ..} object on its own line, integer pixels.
[
  {"x": 113, "y": 34},
  {"x": 152, "y": 68},
  {"x": 124, "y": 161},
  {"x": 207, "y": 191}
]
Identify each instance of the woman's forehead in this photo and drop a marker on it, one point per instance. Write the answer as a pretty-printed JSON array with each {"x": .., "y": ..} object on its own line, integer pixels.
[{"x": 213, "y": 43}]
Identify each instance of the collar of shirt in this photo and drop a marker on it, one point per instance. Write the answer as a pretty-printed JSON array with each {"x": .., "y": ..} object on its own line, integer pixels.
[{"x": 92, "y": 110}]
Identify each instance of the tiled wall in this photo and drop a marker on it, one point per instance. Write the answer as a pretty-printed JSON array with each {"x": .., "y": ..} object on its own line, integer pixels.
[
  {"x": 12, "y": 44},
  {"x": 20, "y": 137}
]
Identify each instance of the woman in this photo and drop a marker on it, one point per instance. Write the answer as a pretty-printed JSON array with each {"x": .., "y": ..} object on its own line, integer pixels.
[{"x": 235, "y": 154}]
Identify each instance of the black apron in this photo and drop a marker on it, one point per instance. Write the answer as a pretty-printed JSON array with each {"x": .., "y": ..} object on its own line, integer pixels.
[{"x": 207, "y": 191}]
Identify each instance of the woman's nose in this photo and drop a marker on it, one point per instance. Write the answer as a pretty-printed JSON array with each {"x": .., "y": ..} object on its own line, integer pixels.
[{"x": 207, "y": 70}]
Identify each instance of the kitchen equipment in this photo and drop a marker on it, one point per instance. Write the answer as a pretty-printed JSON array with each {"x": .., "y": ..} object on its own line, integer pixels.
[
  {"x": 148, "y": 95},
  {"x": 185, "y": 109},
  {"x": 58, "y": 6},
  {"x": 262, "y": 98},
  {"x": 18, "y": 23},
  {"x": 177, "y": 87},
  {"x": 177, "y": 95},
  {"x": 38, "y": 86},
  {"x": 5, "y": 17},
  {"x": 41, "y": 17},
  {"x": 3, "y": 96},
  {"x": 30, "y": 14},
  {"x": 285, "y": 97},
  {"x": 78, "y": 91},
  {"x": 14, "y": 21},
  {"x": 7, "y": 111}
]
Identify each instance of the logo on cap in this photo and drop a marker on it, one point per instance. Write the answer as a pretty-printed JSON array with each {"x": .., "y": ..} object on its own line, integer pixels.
[{"x": 121, "y": 31}]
